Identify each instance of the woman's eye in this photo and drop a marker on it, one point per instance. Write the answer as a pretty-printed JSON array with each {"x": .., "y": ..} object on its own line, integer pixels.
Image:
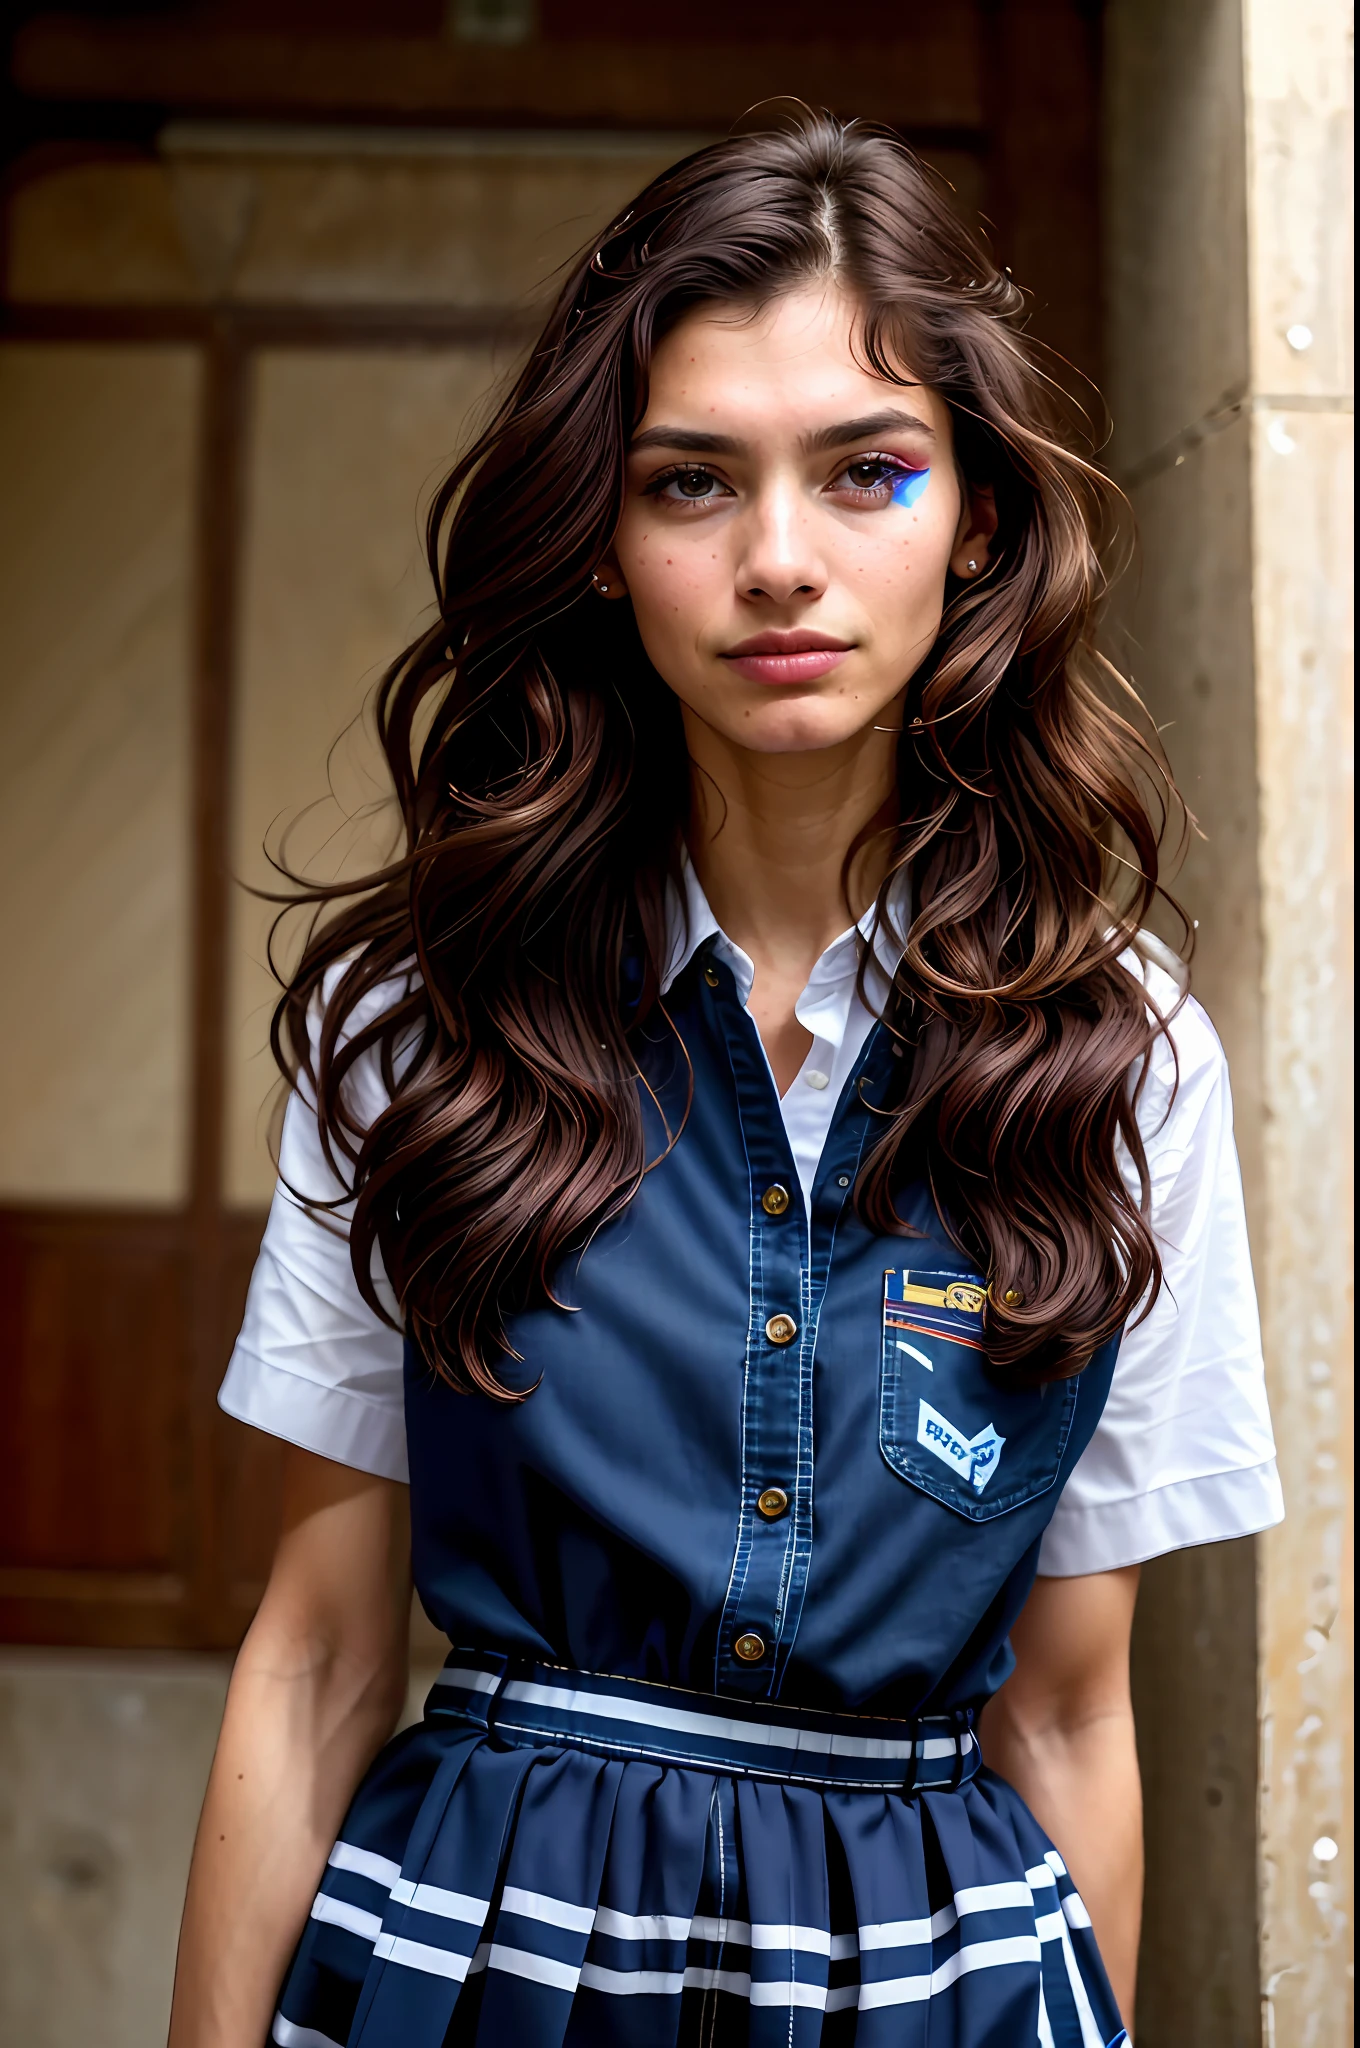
[
  {"x": 864, "y": 475},
  {"x": 874, "y": 473},
  {"x": 693, "y": 486}
]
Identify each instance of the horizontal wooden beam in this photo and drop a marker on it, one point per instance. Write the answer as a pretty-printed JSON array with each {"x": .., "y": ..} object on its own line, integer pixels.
[
  {"x": 411, "y": 327},
  {"x": 140, "y": 1589},
  {"x": 929, "y": 83}
]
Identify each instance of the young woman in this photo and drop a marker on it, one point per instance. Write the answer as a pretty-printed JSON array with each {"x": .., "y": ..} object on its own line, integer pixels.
[{"x": 748, "y": 1172}]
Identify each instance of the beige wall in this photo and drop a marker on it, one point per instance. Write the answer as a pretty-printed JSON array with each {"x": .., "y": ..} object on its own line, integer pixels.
[
  {"x": 1228, "y": 150},
  {"x": 102, "y": 1764},
  {"x": 314, "y": 217},
  {"x": 345, "y": 447},
  {"x": 103, "y": 1760},
  {"x": 96, "y": 518}
]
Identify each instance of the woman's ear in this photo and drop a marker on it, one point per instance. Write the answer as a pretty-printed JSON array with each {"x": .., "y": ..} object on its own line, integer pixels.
[
  {"x": 608, "y": 578},
  {"x": 975, "y": 533}
]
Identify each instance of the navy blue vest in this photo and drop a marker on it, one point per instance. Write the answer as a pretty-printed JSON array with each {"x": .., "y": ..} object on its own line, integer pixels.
[{"x": 715, "y": 1352}]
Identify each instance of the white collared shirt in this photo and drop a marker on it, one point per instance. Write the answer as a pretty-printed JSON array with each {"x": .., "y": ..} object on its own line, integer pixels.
[
  {"x": 1183, "y": 1453},
  {"x": 830, "y": 1007}
]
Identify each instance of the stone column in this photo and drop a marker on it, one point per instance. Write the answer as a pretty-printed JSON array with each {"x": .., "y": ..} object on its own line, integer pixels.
[
  {"x": 1228, "y": 138},
  {"x": 1299, "y": 126}
]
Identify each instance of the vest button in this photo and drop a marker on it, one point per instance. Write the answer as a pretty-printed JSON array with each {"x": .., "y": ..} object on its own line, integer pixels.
[
  {"x": 750, "y": 1647},
  {"x": 781, "y": 1329},
  {"x": 775, "y": 1199},
  {"x": 711, "y": 976},
  {"x": 772, "y": 1503}
]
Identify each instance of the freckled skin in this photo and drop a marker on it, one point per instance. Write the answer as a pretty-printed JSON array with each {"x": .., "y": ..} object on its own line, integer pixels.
[{"x": 784, "y": 538}]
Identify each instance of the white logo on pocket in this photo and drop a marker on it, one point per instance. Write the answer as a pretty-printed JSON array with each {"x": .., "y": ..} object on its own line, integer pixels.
[{"x": 974, "y": 1458}]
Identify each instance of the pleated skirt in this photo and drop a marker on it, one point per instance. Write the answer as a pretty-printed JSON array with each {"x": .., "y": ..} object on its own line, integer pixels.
[{"x": 555, "y": 1860}]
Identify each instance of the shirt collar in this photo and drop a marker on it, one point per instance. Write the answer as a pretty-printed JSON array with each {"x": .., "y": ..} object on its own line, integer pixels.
[{"x": 824, "y": 1006}]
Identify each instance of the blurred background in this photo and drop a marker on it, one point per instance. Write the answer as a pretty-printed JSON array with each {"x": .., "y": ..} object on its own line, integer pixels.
[{"x": 261, "y": 262}]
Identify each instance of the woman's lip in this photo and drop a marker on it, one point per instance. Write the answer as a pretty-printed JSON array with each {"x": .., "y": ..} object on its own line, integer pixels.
[{"x": 805, "y": 666}]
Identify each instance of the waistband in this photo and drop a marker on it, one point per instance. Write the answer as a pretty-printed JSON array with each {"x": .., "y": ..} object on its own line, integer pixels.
[{"x": 521, "y": 1703}]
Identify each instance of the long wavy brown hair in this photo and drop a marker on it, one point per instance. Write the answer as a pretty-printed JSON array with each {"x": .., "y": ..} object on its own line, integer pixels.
[{"x": 507, "y": 960}]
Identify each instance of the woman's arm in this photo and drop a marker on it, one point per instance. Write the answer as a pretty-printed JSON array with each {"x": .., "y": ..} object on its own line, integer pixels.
[
  {"x": 317, "y": 1688},
  {"x": 1061, "y": 1731}
]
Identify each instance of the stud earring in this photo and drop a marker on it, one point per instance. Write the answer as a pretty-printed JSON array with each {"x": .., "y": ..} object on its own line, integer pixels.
[
  {"x": 603, "y": 588},
  {"x": 973, "y": 566}
]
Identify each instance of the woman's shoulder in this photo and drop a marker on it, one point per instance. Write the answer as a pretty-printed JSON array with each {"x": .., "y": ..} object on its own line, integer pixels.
[
  {"x": 366, "y": 1091},
  {"x": 1187, "y": 1068},
  {"x": 369, "y": 1004}
]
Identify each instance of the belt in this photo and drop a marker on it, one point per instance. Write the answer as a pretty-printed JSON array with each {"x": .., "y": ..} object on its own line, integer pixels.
[{"x": 544, "y": 1705}]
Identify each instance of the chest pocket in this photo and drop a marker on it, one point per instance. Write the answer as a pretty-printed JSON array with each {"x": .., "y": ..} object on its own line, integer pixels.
[{"x": 945, "y": 1424}]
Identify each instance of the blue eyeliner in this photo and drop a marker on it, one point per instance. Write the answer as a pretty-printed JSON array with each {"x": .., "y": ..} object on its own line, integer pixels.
[{"x": 910, "y": 487}]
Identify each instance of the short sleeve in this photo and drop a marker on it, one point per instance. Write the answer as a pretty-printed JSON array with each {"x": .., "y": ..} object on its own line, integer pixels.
[
  {"x": 313, "y": 1364},
  {"x": 1183, "y": 1453}
]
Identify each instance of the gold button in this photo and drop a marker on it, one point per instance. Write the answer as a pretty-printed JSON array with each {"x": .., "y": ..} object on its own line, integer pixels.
[
  {"x": 781, "y": 1329},
  {"x": 772, "y": 1503},
  {"x": 750, "y": 1648},
  {"x": 711, "y": 976},
  {"x": 775, "y": 1199},
  {"x": 1011, "y": 1297}
]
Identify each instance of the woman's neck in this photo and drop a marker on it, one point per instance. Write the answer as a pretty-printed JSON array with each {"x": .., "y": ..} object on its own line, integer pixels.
[{"x": 769, "y": 837}]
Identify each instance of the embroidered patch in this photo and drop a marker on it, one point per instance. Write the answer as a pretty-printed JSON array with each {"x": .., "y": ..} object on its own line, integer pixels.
[
  {"x": 974, "y": 1458},
  {"x": 931, "y": 1304}
]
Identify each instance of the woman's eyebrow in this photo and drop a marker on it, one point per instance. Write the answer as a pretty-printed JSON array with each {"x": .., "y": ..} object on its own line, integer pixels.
[
  {"x": 695, "y": 441},
  {"x": 688, "y": 438},
  {"x": 890, "y": 420}
]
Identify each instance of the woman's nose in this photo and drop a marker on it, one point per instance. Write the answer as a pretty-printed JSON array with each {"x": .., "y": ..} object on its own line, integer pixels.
[{"x": 781, "y": 559}]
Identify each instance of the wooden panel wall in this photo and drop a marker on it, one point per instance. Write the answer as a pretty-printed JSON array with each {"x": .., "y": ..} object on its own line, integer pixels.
[{"x": 130, "y": 1511}]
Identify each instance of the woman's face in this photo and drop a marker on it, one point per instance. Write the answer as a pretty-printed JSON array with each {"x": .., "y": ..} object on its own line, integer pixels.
[{"x": 789, "y": 523}]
